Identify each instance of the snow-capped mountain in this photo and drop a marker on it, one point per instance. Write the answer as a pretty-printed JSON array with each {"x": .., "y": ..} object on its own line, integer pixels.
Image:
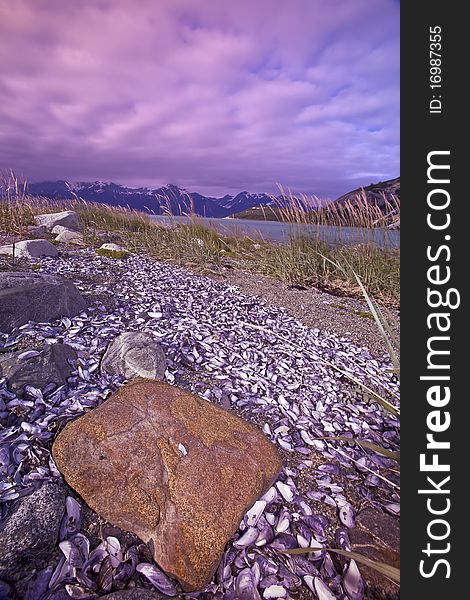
[
  {"x": 168, "y": 198},
  {"x": 244, "y": 200}
]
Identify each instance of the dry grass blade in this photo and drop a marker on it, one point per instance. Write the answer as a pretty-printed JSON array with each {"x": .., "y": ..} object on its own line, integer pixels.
[
  {"x": 366, "y": 468},
  {"x": 388, "y": 318},
  {"x": 391, "y": 572},
  {"x": 364, "y": 444},
  {"x": 377, "y": 397},
  {"x": 379, "y": 320}
]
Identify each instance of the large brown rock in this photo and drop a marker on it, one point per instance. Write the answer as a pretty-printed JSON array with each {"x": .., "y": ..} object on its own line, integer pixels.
[{"x": 171, "y": 467}]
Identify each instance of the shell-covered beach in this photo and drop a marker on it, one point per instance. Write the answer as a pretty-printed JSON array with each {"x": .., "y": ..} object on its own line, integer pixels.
[{"x": 297, "y": 384}]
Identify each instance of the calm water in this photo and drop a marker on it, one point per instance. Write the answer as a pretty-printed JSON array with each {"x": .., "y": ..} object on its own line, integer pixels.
[{"x": 279, "y": 232}]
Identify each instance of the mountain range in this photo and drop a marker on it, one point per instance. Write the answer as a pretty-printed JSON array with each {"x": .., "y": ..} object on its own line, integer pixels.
[
  {"x": 169, "y": 198},
  {"x": 178, "y": 201}
]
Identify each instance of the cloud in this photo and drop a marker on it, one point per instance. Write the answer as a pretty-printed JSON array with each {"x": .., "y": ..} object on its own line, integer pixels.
[{"x": 211, "y": 95}]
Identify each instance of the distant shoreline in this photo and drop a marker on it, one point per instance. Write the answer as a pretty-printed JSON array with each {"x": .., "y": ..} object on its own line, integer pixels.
[{"x": 282, "y": 231}]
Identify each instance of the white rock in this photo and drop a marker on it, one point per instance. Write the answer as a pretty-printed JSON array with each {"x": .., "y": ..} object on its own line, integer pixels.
[
  {"x": 59, "y": 229},
  {"x": 67, "y": 218},
  {"x": 69, "y": 237},
  {"x": 8, "y": 249},
  {"x": 182, "y": 449},
  {"x": 112, "y": 247},
  {"x": 30, "y": 249}
]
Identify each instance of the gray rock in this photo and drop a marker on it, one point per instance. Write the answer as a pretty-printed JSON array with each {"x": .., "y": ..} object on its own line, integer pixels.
[
  {"x": 30, "y": 249},
  {"x": 36, "y": 231},
  {"x": 67, "y": 218},
  {"x": 133, "y": 354},
  {"x": 66, "y": 236},
  {"x": 5, "y": 591},
  {"x": 50, "y": 366},
  {"x": 36, "y": 297},
  {"x": 377, "y": 536},
  {"x": 29, "y": 538},
  {"x": 35, "y": 585}
]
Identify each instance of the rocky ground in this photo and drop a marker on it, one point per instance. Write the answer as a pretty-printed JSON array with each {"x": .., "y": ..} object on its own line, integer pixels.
[
  {"x": 346, "y": 316},
  {"x": 286, "y": 370}
]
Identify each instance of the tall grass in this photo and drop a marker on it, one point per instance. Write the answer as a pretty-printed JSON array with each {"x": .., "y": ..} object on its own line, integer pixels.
[
  {"x": 307, "y": 259},
  {"x": 357, "y": 211},
  {"x": 301, "y": 261},
  {"x": 18, "y": 207},
  {"x": 15, "y": 213}
]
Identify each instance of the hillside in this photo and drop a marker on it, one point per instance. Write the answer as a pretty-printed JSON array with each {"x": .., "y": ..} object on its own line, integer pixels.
[
  {"x": 383, "y": 199},
  {"x": 378, "y": 194}
]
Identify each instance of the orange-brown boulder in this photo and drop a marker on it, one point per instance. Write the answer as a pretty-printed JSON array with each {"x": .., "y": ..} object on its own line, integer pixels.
[{"x": 171, "y": 467}]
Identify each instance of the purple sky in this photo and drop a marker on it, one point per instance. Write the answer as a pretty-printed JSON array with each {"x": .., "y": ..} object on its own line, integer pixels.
[{"x": 213, "y": 95}]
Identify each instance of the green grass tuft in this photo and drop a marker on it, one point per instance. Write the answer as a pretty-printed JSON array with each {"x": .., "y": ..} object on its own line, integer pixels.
[{"x": 118, "y": 254}]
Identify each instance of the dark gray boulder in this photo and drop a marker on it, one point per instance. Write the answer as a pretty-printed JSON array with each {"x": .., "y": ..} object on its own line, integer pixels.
[
  {"x": 51, "y": 365},
  {"x": 36, "y": 297},
  {"x": 133, "y": 354},
  {"x": 29, "y": 537}
]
